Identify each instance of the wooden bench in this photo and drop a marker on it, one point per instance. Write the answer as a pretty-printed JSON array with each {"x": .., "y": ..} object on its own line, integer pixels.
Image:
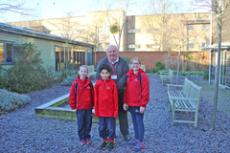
[
  {"x": 184, "y": 98},
  {"x": 166, "y": 76},
  {"x": 91, "y": 71}
]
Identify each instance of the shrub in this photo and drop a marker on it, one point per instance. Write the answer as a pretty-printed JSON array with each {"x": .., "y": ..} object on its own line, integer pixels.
[
  {"x": 27, "y": 74},
  {"x": 149, "y": 71},
  {"x": 11, "y": 101},
  {"x": 126, "y": 59},
  {"x": 159, "y": 66},
  {"x": 206, "y": 75},
  {"x": 68, "y": 81}
]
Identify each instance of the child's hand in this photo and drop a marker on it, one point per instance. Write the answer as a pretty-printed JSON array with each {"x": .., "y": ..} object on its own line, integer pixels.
[
  {"x": 142, "y": 110},
  {"x": 125, "y": 107}
]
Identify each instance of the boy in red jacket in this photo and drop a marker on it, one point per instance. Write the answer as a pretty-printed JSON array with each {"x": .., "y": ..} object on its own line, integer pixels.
[
  {"x": 106, "y": 107},
  {"x": 81, "y": 99},
  {"x": 136, "y": 98}
]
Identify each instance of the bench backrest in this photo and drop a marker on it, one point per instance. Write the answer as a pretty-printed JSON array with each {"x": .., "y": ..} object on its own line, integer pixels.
[
  {"x": 186, "y": 87},
  {"x": 192, "y": 90},
  {"x": 170, "y": 74}
]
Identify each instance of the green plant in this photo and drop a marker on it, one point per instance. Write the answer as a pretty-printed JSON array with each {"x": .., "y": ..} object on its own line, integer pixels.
[
  {"x": 149, "y": 70},
  {"x": 27, "y": 74},
  {"x": 159, "y": 66},
  {"x": 114, "y": 28},
  {"x": 68, "y": 80},
  {"x": 11, "y": 101},
  {"x": 206, "y": 75}
]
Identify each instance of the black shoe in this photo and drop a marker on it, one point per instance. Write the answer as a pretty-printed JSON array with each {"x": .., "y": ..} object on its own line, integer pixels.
[
  {"x": 103, "y": 145},
  {"x": 110, "y": 145}
]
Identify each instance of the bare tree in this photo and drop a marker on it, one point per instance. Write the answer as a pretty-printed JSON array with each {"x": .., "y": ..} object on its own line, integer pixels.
[
  {"x": 13, "y": 6},
  {"x": 161, "y": 28},
  {"x": 181, "y": 40},
  {"x": 117, "y": 24},
  {"x": 217, "y": 7}
]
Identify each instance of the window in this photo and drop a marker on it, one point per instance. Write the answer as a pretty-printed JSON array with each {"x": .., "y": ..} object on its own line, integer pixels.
[
  {"x": 131, "y": 46},
  {"x": 191, "y": 45},
  {"x": 9, "y": 53},
  {"x": 190, "y": 27},
  {"x": 134, "y": 46},
  {"x": 205, "y": 27},
  {"x": 133, "y": 30},
  {"x": 1, "y": 53},
  {"x": 138, "y": 46},
  {"x": 59, "y": 51},
  {"x": 6, "y": 52},
  {"x": 150, "y": 45},
  {"x": 204, "y": 44}
]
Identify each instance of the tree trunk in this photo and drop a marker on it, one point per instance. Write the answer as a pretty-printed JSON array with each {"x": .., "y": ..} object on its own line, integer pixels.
[{"x": 217, "y": 72}]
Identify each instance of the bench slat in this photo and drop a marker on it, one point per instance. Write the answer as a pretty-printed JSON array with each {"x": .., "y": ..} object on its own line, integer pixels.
[{"x": 184, "y": 99}]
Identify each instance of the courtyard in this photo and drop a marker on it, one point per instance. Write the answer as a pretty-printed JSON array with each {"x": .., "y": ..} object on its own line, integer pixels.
[{"x": 23, "y": 131}]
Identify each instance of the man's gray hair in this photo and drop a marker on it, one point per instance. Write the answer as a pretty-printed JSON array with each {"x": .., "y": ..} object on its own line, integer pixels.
[{"x": 111, "y": 47}]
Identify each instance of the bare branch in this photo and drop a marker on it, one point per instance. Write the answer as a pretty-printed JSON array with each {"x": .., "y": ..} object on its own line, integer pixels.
[{"x": 13, "y": 7}]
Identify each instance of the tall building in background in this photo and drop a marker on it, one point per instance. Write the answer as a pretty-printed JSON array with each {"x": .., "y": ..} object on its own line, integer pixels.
[{"x": 157, "y": 32}]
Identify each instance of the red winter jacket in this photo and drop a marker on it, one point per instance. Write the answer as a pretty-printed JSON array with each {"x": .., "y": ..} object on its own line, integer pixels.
[
  {"x": 82, "y": 97},
  {"x": 137, "y": 91},
  {"x": 106, "y": 98}
]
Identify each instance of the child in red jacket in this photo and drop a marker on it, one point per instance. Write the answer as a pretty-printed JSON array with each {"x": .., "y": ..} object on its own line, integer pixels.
[
  {"x": 81, "y": 99},
  {"x": 136, "y": 98},
  {"x": 106, "y": 107}
]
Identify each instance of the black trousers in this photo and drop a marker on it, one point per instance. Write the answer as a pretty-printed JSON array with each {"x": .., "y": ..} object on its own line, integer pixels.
[
  {"x": 107, "y": 127},
  {"x": 84, "y": 121},
  {"x": 122, "y": 115}
]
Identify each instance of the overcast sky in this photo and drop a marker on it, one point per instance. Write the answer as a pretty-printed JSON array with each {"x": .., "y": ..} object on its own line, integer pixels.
[{"x": 40, "y": 9}]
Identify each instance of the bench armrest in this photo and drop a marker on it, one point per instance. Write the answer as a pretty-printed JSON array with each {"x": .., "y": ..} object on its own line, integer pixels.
[
  {"x": 184, "y": 98},
  {"x": 174, "y": 85}
]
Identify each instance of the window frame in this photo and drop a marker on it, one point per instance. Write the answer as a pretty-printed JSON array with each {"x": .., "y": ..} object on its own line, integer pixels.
[{"x": 5, "y": 42}]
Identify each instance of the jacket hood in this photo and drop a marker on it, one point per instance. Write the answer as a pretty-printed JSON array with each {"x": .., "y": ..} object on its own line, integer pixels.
[
  {"x": 86, "y": 81},
  {"x": 130, "y": 72}
]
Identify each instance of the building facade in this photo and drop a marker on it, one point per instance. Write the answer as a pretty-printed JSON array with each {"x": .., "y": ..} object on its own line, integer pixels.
[
  {"x": 225, "y": 54},
  {"x": 157, "y": 32},
  {"x": 168, "y": 32},
  {"x": 224, "y": 76},
  {"x": 56, "y": 52}
]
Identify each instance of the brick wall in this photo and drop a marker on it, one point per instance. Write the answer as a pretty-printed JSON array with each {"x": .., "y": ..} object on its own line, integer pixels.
[{"x": 198, "y": 60}]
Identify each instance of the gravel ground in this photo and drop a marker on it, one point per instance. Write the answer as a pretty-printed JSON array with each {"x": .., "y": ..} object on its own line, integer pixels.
[{"x": 23, "y": 132}]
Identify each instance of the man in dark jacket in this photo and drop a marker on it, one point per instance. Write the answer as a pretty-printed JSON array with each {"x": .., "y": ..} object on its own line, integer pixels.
[{"x": 119, "y": 69}]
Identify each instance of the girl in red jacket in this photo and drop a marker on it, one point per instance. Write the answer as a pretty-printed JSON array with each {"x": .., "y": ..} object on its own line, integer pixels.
[
  {"x": 106, "y": 107},
  {"x": 81, "y": 99},
  {"x": 136, "y": 98}
]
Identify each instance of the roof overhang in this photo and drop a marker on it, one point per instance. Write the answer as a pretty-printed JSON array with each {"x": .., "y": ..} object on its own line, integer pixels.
[
  {"x": 224, "y": 45},
  {"x": 6, "y": 28}
]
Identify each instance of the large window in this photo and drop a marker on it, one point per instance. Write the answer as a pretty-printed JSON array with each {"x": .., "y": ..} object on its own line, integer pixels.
[
  {"x": 1, "y": 53},
  {"x": 6, "y": 52}
]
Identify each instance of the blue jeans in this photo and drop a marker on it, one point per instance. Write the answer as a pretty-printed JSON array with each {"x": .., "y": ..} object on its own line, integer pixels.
[
  {"x": 138, "y": 123},
  {"x": 107, "y": 127},
  {"x": 84, "y": 121}
]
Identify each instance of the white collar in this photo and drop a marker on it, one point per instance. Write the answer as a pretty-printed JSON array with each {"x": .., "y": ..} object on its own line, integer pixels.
[{"x": 115, "y": 61}]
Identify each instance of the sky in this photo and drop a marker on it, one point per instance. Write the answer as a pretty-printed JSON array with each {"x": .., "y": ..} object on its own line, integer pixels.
[{"x": 41, "y": 9}]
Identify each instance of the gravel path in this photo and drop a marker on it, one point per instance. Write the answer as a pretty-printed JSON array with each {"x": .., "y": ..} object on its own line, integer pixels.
[{"x": 23, "y": 132}]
